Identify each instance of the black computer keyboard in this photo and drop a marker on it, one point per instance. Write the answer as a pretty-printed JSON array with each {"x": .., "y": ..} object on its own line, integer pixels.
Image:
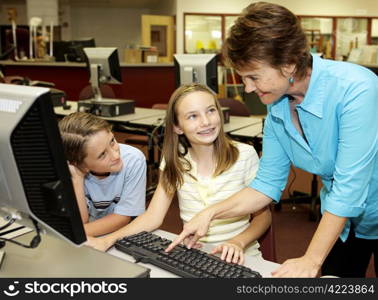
[{"x": 193, "y": 263}]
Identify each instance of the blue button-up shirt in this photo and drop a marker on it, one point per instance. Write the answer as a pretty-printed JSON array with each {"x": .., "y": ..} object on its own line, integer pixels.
[{"x": 339, "y": 117}]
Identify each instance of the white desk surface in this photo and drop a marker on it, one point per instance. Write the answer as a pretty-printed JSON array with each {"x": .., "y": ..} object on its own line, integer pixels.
[
  {"x": 154, "y": 117},
  {"x": 240, "y": 122},
  {"x": 68, "y": 260},
  {"x": 140, "y": 113},
  {"x": 251, "y": 131},
  {"x": 260, "y": 265}
]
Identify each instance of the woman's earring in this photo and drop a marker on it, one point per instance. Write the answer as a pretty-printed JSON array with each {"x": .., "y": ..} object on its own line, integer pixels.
[{"x": 291, "y": 80}]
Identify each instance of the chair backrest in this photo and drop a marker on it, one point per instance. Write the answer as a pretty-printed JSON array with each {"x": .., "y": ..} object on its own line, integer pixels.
[
  {"x": 268, "y": 245},
  {"x": 267, "y": 242},
  {"x": 87, "y": 92},
  {"x": 237, "y": 108},
  {"x": 254, "y": 104},
  {"x": 162, "y": 106}
]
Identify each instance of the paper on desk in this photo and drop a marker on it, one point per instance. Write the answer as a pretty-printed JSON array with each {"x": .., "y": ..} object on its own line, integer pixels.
[{"x": 14, "y": 233}]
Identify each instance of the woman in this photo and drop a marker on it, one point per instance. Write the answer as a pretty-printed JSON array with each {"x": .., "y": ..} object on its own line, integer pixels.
[{"x": 322, "y": 119}]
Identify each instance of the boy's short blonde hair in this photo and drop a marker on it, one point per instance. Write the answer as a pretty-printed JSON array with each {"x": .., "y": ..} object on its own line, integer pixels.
[{"x": 75, "y": 130}]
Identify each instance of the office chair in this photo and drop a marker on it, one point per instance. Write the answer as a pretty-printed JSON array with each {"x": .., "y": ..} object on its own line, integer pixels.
[
  {"x": 237, "y": 108},
  {"x": 87, "y": 92},
  {"x": 268, "y": 245},
  {"x": 254, "y": 104},
  {"x": 162, "y": 106},
  {"x": 142, "y": 139}
]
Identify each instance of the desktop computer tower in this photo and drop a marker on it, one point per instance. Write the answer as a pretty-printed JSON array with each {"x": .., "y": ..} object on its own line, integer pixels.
[{"x": 107, "y": 107}]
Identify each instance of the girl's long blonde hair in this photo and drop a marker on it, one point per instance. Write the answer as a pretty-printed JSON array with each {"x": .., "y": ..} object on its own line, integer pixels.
[{"x": 176, "y": 146}]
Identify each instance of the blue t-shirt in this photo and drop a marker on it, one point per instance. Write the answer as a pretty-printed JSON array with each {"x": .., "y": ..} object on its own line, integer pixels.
[
  {"x": 122, "y": 193},
  {"x": 339, "y": 120}
]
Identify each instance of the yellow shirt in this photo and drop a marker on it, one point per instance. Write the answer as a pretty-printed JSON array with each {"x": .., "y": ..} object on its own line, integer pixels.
[{"x": 196, "y": 195}]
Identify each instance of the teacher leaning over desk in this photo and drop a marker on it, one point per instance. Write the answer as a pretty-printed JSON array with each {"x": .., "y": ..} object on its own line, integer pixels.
[{"x": 322, "y": 118}]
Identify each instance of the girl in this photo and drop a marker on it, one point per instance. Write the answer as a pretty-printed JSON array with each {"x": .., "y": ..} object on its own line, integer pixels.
[
  {"x": 322, "y": 118},
  {"x": 109, "y": 179},
  {"x": 203, "y": 166}
]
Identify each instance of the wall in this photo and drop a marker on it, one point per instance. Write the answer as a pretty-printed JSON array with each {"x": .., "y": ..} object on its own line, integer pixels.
[
  {"x": 116, "y": 25},
  {"x": 20, "y": 5},
  {"x": 112, "y": 26},
  {"x": 299, "y": 7},
  {"x": 127, "y": 20}
]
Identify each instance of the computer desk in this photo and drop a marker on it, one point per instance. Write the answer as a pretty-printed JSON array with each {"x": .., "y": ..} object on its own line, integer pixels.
[
  {"x": 140, "y": 113},
  {"x": 55, "y": 257},
  {"x": 149, "y": 118},
  {"x": 251, "y": 135},
  {"x": 249, "y": 132},
  {"x": 260, "y": 265},
  {"x": 236, "y": 122}
]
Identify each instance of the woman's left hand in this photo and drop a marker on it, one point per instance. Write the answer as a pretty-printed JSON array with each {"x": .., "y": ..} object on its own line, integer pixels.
[
  {"x": 297, "y": 267},
  {"x": 231, "y": 252}
]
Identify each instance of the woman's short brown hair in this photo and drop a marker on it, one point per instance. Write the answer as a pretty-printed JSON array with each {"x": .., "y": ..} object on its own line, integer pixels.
[
  {"x": 75, "y": 130},
  {"x": 270, "y": 33}
]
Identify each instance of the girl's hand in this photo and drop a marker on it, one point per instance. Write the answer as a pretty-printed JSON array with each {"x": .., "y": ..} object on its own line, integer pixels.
[
  {"x": 100, "y": 243},
  {"x": 231, "y": 251}
]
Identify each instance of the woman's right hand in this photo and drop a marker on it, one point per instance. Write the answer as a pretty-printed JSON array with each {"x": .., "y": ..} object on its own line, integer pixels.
[{"x": 193, "y": 230}]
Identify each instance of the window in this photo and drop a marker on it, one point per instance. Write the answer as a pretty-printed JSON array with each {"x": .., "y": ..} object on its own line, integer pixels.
[
  {"x": 332, "y": 36},
  {"x": 374, "y": 31},
  {"x": 351, "y": 33},
  {"x": 203, "y": 33},
  {"x": 319, "y": 34}
]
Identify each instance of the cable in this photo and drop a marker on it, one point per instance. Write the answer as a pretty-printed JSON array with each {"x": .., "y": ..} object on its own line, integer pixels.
[
  {"x": 156, "y": 137},
  {"x": 33, "y": 243},
  {"x": 10, "y": 222},
  {"x": 292, "y": 181}
]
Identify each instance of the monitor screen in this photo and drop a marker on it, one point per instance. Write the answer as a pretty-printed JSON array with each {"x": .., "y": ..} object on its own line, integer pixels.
[
  {"x": 104, "y": 67},
  {"x": 35, "y": 181},
  {"x": 72, "y": 50},
  {"x": 60, "y": 50},
  {"x": 198, "y": 68}
]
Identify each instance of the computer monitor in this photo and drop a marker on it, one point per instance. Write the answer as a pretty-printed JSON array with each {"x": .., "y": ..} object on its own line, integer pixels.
[
  {"x": 197, "y": 68},
  {"x": 76, "y": 49},
  {"x": 35, "y": 182},
  {"x": 72, "y": 50},
  {"x": 60, "y": 50},
  {"x": 104, "y": 68}
]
